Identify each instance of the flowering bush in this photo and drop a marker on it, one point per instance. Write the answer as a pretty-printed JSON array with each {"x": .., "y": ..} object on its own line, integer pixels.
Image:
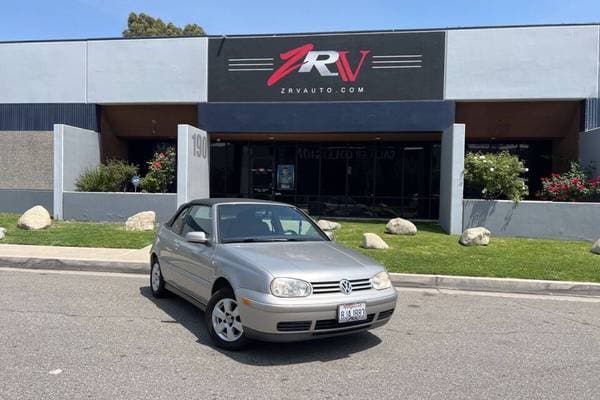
[
  {"x": 573, "y": 185},
  {"x": 161, "y": 171},
  {"x": 497, "y": 175}
]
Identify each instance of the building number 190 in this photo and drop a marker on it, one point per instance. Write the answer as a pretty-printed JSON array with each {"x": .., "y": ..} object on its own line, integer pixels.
[{"x": 200, "y": 146}]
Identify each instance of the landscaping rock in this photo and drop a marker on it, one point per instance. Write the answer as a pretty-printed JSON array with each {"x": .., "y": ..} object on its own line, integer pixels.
[
  {"x": 2, "y": 233},
  {"x": 143, "y": 221},
  {"x": 475, "y": 237},
  {"x": 328, "y": 225},
  {"x": 373, "y": 241},
  {"x": 595, "y": 247},
  {"x": 35, "y": 218},
  {"x": 400, "y": 226}
]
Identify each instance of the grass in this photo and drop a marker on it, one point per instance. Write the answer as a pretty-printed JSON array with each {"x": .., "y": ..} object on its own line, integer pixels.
[
  {"x": 78, "y": 234},
  {"x": 431, "y": 251}
]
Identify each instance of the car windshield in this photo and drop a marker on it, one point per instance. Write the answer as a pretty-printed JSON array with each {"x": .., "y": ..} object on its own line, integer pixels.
[{"x": 240, "y": 223}]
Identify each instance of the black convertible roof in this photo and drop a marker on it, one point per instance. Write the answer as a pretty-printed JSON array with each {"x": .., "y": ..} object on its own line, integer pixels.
[{"x": 214, "y": 201}]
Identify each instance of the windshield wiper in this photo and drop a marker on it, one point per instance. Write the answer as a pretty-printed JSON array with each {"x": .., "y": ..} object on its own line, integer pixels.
[{"x": 256, "y": 240}]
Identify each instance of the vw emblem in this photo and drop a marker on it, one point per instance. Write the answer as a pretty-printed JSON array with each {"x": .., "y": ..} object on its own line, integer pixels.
[{"x": 345, "y": 286}]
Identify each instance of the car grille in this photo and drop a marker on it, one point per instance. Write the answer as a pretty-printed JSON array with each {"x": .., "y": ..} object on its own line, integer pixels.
[
  {"x": 293, "y": 326},
  {"x": 334, "y": 286},
  {"x": 323, "y": 324},
  {"x": 385, "y": 314}
]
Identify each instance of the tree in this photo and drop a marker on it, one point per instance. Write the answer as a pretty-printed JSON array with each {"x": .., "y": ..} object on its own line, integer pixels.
[{"x": 143, "y": 25}]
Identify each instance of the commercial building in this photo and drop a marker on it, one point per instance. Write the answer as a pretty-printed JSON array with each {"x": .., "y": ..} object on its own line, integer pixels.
[{"x": 356, "y": 124}]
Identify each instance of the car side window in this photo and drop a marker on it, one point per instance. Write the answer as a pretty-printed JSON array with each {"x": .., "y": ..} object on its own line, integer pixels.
[
  {"x": 177, "y": 225},
  {"x": 198, "y": 219}
]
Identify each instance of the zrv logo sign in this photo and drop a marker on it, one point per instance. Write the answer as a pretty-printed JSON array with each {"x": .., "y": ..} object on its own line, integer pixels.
[
  {"x": 320, "y": 61},
  {"x": 344, "y": 67}
]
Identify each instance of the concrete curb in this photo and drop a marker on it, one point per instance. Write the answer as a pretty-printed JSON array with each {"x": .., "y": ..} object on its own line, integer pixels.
[
  {"x": 528, "y": 286},
  {"x": 74, "y": 264},
  {"x": 506, "y": 285}
]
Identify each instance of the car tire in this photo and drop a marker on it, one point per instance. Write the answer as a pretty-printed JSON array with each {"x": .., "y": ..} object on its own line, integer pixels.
[
  {"x": 224, "y": 322},
  {"x": 157, "y": 282}
]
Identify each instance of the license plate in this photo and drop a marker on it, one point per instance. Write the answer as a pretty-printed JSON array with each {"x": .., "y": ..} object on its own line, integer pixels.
[{"x": 352, "y": 312}]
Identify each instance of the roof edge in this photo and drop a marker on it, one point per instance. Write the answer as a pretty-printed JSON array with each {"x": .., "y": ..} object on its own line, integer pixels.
[{"x": 292, "y": 34}]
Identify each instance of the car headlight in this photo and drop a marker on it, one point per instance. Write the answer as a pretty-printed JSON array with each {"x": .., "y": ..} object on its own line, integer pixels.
[
  {"x": 288, "y": 287},
  {"x": 381, "y": 281}
]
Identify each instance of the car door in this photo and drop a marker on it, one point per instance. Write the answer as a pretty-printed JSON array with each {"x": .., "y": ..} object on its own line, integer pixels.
[
  {"x": 196, "y": 258},
  {"x": 170, "y": 258}
]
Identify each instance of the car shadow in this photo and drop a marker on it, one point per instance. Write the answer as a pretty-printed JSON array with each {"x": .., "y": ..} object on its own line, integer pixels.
[{"x": 262, "y": 353}]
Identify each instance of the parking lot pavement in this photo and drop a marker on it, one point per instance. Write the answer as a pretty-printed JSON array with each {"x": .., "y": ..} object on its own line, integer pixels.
[{"x": 80, "y": 335}]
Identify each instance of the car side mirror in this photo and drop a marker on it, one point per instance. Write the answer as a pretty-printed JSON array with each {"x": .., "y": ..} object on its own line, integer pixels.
[
  {"x": 330, "y": 235},
  {"x": 196, "y": 237}
]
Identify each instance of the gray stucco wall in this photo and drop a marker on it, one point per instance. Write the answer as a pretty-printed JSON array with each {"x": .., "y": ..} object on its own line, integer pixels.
[
  {"x": 84, "y": 206},
  {"x": 589, "y": 149},
  {"x": 147, "y": 70},
  {"x": 556, "y": 62},
  {"x": 170, "y": 70},
  {"x": 534, "y": 219},
  {"x": 26, "y": 160},
  {"x": 19, "y": 201},
  {"x": 452, "y": 178},
  {"x": 75, "y": 150},
  {"x": 50, "y": 72}
]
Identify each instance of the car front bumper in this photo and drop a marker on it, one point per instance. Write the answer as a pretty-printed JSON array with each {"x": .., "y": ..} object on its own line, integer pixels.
[{"x": 270, "y": 318}]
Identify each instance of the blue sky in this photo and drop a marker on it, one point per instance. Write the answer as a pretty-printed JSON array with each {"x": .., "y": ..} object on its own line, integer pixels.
[{"x": 65, "y": 19}]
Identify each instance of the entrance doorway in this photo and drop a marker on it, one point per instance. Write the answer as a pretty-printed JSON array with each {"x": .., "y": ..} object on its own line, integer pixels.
[{"x": 376, "y": 179}]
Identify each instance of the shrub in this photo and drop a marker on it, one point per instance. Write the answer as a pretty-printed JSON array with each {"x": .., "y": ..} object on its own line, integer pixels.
[
  {"x": 161, "y": 171},
  {"x": 577, "y": 184},
  {"x": 113, "y": 176},
  {"x": 497, "y": 175}
]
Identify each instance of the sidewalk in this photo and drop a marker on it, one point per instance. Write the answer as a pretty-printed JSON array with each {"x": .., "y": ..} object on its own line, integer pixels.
[
  {"x": 75, "y": 258},
  {"x": 138, "y": 261}
]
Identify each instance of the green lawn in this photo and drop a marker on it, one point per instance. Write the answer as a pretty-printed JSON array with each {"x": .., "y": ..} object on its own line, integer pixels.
[
  {"x": 431, "y": 251},
  {"x": 79, "y": 234}
]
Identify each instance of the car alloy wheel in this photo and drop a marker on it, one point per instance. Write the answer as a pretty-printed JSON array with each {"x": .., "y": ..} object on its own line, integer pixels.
[
  {"x": 157, "y": 283},
  {"x": 223, "y": 321},
  {"x": 155, "y": 277},
  {"x": 226, "y": 320}
]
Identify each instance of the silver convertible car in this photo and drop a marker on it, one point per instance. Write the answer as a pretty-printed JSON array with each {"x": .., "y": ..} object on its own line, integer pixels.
[{"x": 264, "y": 270}]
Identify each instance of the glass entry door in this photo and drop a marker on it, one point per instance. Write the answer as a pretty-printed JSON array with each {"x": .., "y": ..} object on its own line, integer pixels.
[
  {"x": 335, "y": 179},
  {"x": 261, "y": 171}
]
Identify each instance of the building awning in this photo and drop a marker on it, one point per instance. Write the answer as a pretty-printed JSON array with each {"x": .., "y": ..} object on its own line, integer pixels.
[{"x": 389, "y": 116}]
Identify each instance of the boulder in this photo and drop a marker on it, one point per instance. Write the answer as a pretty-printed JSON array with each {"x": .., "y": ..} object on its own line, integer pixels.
[
  {"x": 328, "y": 225},
  {"x": 35, "y": 218},
  {"x": 143, "y": 221},
  {"x": 373, "y": 241},
  {"x": 2, "y": 233},
  {"x": 475, "y": 237},
  {"x": 400, "y": 226},
  {"x": 595, "y": 247}
]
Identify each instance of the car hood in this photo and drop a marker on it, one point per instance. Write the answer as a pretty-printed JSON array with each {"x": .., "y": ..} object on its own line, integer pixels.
[{"x": 310, "y": 261}]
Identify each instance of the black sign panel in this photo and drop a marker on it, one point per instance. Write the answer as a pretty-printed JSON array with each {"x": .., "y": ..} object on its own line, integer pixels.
[{"x": 337, "y": 67}]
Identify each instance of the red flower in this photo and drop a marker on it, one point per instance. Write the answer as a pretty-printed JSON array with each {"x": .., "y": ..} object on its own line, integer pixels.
[
  {"x": 156, "y": 164},
  {"x": 575, "y": 181}
]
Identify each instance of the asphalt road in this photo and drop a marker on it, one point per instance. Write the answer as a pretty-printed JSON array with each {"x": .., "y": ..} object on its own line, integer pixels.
[{"x": 101, "y": 336}]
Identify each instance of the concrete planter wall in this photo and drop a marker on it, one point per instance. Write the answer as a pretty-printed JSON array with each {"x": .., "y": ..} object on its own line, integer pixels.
[
  {"x": 21, "y": 200},
  {"x": 535, "y": 219},
  {"x": 93, "y": 206}
]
